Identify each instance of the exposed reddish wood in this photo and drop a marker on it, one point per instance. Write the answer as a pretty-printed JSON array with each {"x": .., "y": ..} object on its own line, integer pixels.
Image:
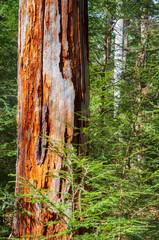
[{"x": 52, "y": 84}]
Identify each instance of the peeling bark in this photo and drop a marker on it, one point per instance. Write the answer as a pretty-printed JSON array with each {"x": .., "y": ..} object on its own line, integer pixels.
[{"x": 52, "y": 87}]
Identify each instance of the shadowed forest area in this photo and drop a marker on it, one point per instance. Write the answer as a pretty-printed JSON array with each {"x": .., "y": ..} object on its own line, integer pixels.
[{"x": 113, "y": 182}]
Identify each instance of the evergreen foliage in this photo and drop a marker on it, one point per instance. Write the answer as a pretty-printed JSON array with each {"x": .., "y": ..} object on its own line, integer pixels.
[
  {"x": 118, "y": 180},
  {"x": 8, "y": 88},
  {"x": 8, "y": 102}
]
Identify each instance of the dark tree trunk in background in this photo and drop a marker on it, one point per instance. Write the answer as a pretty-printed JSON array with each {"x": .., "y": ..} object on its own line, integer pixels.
[{"x": 52, "y": 87}]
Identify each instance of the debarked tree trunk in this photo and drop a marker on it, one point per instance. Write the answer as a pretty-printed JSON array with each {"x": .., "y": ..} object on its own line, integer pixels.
[{"x": 52, "y": 87}]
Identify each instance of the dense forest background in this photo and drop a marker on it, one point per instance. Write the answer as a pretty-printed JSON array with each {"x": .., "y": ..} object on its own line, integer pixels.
[{"x": 119, "y": 178}]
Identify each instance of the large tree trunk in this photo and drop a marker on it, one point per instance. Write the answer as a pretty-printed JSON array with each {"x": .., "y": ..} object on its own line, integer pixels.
[{"x": 52, "y": 86}]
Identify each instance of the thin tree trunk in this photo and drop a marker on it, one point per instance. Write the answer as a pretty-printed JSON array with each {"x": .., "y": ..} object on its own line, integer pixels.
[
  {"x": 141, "y": 60},
  {"x": 52, "y": 86},
  {"x": 118, "y": 60},
  {"x": 125, "y": 43},
  {"x": 118, "y": 71},
  {"x": 107, "y": 53},
  {"x": 142, "y": 55},
  {"x": 141, "y": 64}
]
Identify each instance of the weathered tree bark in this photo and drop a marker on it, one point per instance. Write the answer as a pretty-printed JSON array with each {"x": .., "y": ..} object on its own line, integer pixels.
[{"x": 52, "y": 87}]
